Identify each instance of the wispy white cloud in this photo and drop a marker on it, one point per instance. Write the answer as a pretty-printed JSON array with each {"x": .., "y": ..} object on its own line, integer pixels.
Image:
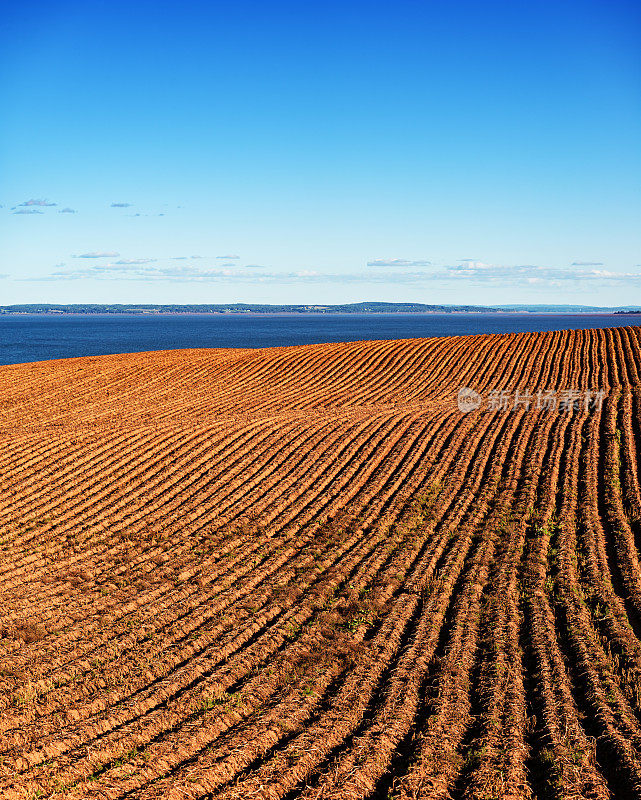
[
  {"x": 468, "y": 272},
  {"x": 226, "y": 258},
  {"x": 529, "y": 274},
  {"x": 138, "y": 214},
  {"x": 28, "y": 211},
  {"x": 587, "y": 263},
  {"x": 121, "y": 205},
  {"x": 37, "y": 203},
  {"x": 67, "y": 211},
  {"x": 98, "y": 254},
  {"x": 397, "y": 262},
  {"x": 186, "y": 273}
]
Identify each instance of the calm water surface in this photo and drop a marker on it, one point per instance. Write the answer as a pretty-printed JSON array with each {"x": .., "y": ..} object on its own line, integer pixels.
[{"x": 39, "y": 337}]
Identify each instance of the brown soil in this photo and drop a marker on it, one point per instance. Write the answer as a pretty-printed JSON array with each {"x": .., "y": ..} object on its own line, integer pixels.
[{"x": 303, "y": 573}]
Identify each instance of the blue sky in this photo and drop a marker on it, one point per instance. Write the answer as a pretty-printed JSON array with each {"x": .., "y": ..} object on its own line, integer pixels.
[{"x": 323, "y": 152}]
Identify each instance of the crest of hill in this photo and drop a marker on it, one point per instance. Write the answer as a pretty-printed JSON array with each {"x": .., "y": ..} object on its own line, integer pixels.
[{"x": 214, "y": 383}]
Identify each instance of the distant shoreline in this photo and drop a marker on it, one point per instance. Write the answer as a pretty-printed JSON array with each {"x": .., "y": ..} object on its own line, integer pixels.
[
  {"x": 353, "y": 309},
  {"x": 622, "y": 314}
]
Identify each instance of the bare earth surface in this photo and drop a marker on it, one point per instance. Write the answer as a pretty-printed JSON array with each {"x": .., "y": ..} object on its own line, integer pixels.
[{"x": 303, "y": 573}]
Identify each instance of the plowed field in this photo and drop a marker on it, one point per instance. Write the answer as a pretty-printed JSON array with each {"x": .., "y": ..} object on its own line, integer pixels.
[{"x": 304, "y": 573}]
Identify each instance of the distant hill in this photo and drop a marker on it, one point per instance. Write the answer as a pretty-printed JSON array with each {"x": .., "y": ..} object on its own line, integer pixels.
[
  {"x": 569, "y": 309},
  {"x": 347, "y": 308},
  {"x": 238, "y": 308}
]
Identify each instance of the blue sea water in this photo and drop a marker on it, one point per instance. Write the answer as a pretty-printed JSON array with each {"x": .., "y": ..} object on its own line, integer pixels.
[{"x": 32, "y": 337}]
